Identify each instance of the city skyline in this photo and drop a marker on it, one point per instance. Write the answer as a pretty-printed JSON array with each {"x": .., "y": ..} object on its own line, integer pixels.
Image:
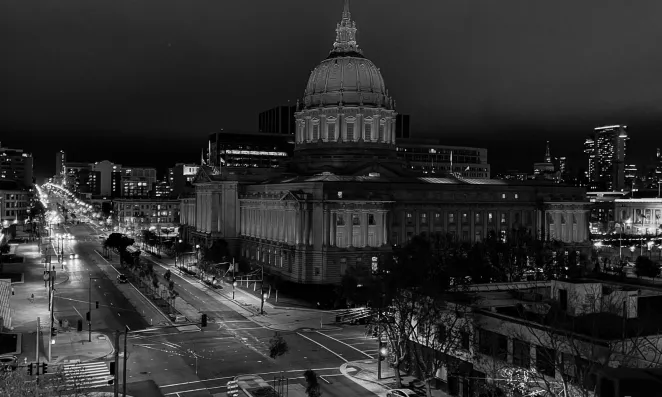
[{"x": 470, "y": 76}]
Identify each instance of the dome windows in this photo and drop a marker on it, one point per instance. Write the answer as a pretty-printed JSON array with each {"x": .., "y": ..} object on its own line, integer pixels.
[
  {"x": 350, "y": 129},
  {"x": 382, "y": 123},
  {"x": 331, "y": 129},
  {"x": 367, "y": 129},
  {"x": 315, "y": 130}
]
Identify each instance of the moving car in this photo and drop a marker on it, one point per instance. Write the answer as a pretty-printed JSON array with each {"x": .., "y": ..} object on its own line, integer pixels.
[
  {"x": 122, "y": 279},
  {"x": 402, "y": 393}
]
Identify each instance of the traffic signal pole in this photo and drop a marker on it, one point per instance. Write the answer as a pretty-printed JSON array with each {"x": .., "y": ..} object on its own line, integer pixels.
[
  {"x": 126, "y": 336},
  {"x": 116, "y": 388}
]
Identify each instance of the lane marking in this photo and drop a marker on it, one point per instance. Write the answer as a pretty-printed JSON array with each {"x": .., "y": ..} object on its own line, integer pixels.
[
  {"x": 325, "y": 348},
  {"x": 242, "y": 329},
  {"x": 322, "y": 377},
  {"x": 258, "y": 374},
  {"x": 339, "y": 341}
]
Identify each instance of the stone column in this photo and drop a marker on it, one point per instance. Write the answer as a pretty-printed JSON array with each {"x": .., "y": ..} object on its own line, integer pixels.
[
  {"x": 326, "y": 230},
  {"x": 379, "y": 229},
  {"x": 349, "y": 228},
  {"x": 385, "y": 236},
  {"x": 364, "y": 228},
  {"x": 306, "y": 226},
  {"x": 332, "y": 229}
]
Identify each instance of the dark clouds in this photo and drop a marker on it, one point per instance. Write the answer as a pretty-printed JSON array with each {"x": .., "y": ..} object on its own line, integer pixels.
[{"x": 467, "y": 70}]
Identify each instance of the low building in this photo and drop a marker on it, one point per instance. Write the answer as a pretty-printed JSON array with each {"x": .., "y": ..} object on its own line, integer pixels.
[
  {"x": 534, "y": 335},
  {"x": 640, "y": 216},
  {"x": 133, "y": 215}
]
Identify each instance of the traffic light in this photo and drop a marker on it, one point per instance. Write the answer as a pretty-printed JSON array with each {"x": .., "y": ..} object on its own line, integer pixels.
[
  {"x": 44, "y": 369},
  {"x": 30, "y": 369},
  {"x": 87, "y": 316},
  {"x": 204, "y": 320},
  {"x": 97, "y": 304}
]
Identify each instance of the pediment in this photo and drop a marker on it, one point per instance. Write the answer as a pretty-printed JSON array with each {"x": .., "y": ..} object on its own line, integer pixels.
[
  {"x": 290, "y": 196},
  {"x": 202, "y": 176},
  {"x": 378, "y": 168}
]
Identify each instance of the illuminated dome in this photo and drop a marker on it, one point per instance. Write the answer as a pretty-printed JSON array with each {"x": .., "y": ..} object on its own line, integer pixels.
[
  {"x": 346, "y": 77},
  {"x": 347, "y": 119}
]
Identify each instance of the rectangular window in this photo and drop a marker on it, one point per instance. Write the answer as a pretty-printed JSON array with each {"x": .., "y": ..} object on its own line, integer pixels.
[
  {"x": 451, "y": 217},
  {"x": 477, "y": 218},
  {"x": 356, "y": 220},
  {"x": 521, "y": 353},
  {"x": 381, "y": 132},
  {"x": 440, "y": 333},
  {"x": 316, "y": 132},
  {"x": 503, "y": 195},
  {"x": 503, "y": 219},
  {"x": 465, "y": 217},
  {"x": 516, "y": 196},
  {"x": 490, "y": 217},
  {"x": 368, "y": 132},
  {"x": 350, "y": 132},
  {"x": 424, "y": 218},
  {"x": 371, "y": 219},
  {"x": 464, "y": 340},
  {"x": 493, "y": 344},
  {"x": 331, "y": 131},
  {"x": 409, "y": 218},
  {"x": 340, "y": 220},
  {"x": 437, "y": 218},
  {"x": 545, "y": 361}
]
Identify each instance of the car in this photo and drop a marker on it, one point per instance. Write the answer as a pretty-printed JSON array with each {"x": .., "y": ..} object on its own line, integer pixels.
[
  {"x": 402, "y": 393},
  {"x": 122, "y": 279}
]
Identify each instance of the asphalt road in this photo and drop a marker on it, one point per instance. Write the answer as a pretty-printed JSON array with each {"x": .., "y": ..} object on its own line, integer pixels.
[
  {"x": 85, "y": 280},
  {"x": 196, "y": 364}
]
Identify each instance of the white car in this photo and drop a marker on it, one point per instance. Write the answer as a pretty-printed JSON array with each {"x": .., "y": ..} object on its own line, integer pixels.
[{"x": 401, "y": 393}]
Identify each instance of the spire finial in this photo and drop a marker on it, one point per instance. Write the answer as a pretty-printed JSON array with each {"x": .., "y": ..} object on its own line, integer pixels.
[{"x": 346, "y": 33}]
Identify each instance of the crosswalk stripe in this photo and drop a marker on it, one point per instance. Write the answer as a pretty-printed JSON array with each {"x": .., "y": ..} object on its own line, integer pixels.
[{"x": 87, "y": 375}]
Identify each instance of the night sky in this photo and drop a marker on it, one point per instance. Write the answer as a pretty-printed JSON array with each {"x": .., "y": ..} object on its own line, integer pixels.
[{"x": 143, "y": 81}]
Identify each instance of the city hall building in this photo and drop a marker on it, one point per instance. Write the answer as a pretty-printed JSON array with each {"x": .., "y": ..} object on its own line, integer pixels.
[{"x": 346, "y": 198}]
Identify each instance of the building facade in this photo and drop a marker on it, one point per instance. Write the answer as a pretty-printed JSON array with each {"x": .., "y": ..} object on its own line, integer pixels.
[
  {"x": 347, "y": 198},
  {"x": 16, "y": 165},
  {"x": 14, "y": 203},
  {"x": 181, "y": 177},
  {"x": 640, "y": 216},
  {"x": 606, "y": 152},
  {"x": 429, "y": 156},
  {"x": 60, "y": 162},
  {"x": 278, "y": 120},
  {"x": 134, "y": 215},
  {"x": 248, "y": 150}
]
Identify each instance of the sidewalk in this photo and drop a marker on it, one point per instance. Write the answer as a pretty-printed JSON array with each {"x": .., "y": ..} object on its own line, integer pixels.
[
  {"x": 74, "y": 345},
  {"x": 364, "y": 372},
  {"x": 275, "y": 318}
]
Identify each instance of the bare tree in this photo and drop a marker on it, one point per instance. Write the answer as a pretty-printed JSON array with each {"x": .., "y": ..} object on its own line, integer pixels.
[{"x": 558, "y": 344}]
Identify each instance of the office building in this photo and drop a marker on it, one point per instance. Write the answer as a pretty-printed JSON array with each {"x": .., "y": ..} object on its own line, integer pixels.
[
  {"x": 14, "y": 203},
  {"x": 60, "y": 162},
  {"x": 16, "y": 165},
  {"x": 135, "y": 214},
  {"x": 181, "y": 177},
  {"x": 430, "y": 157},
  {"x": 606, "y": 153},
  {"x": 278, "y": 120},
  {"x": 402, "y": 127},
  {"x": 234, "y": 149},
  {"x": 632, "y": 180},
  {"x": 137, "y": 181}
]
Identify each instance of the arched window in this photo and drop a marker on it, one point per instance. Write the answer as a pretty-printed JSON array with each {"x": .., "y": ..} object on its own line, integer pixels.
[
  {"x": 331, "y": 129},
  {"x": 382, "y": 123},
  {"x": 316, "y": 132}
]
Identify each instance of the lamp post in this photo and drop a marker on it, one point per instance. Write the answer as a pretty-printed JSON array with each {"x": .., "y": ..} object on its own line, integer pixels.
[
  {"x": 197, "y": 256},
  {"x": 177, "y": 252},
  {"x": 89, "y": 306}
]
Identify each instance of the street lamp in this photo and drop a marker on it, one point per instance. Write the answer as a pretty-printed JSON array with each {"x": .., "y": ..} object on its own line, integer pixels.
[
  {"x": 177, "y": 252},
  {"x": 234, "y": 286}
]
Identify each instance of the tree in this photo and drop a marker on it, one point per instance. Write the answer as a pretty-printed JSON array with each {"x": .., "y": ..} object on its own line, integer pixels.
[
  {"x": 312, "y": 383},
  {"x": 119, "y": 242},
  {"x": 277, "y": 346},
  {"x": 645, "y": 267},
  {"x": 595, "y": 325},
  {"x": 19, "y": 384}
]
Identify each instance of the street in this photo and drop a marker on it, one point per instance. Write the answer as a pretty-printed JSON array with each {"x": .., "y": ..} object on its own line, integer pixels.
[{"x": 201, "y": 362}]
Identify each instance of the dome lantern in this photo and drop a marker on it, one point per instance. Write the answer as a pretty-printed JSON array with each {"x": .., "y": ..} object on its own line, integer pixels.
[{"x": 346, "y": 33}]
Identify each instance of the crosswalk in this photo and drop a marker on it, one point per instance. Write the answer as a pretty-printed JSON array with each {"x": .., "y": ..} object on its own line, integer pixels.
[{"x": 86, "y": 375}]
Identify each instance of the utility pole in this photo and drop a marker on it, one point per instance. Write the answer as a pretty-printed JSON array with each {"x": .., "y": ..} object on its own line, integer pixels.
[
  {"x": 126, "y": 336},
  {"x": 89, "y": 306},
  {"x": 117, "y": 353},
  {"x": 262, "y": 292}
]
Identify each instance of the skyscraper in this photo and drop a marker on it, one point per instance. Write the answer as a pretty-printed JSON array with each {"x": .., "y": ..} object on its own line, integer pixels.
[
  {"x": 60, "y": 163},
  {"x": 606, "y": 151}
]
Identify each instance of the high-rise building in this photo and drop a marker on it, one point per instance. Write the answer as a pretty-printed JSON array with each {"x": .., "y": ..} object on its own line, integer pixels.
[
  {"x": 606, "y": 151},
  {"x": 137, "y": 181},
  {"x": 16, "y": 165},
  {"x": 60, "y": 162},
  {"x": 402, "y": 126},
  {"x": 278, "y": 120},
  {"x": 631, "y": 177},
  {"x": 182, "y": 177}
]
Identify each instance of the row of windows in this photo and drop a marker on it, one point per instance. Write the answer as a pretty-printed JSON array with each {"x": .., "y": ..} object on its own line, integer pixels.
[
  {"x": 16, "y": 197},
  {"x": 331, "y": 132},
  {"x": 356, "y": 220},
  {"x": 15, "y": 212},
  {"x": 16, "y": 204},
  {"x": 464, "y": 218},
  {"x": 495, "y": 345},
  {"x": 147, "y": 206}
]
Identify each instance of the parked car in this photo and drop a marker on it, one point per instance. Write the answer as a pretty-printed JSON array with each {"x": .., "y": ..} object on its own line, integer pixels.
[{"x": 122, "y": 279}]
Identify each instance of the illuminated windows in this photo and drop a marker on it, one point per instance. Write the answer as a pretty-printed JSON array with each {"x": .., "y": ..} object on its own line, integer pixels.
[
  {"x": 350, "y": 131},
  {"x": 316, "y": 132},
  {"x": 331, "y": 131},
  {"x": 368, "y": 131},
  {"x": 381, "y": 130}
]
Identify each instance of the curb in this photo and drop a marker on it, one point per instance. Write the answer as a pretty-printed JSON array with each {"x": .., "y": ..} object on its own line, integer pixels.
[{"x": 343, "y": 370}]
